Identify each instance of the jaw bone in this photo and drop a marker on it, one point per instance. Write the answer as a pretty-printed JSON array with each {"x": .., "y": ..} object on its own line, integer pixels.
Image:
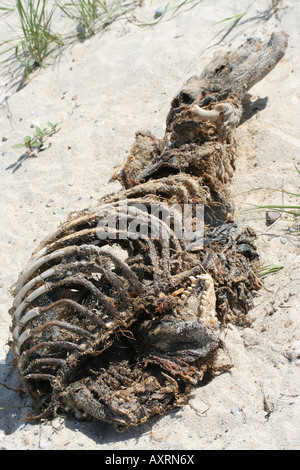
[{"x": 198, "y": 298}]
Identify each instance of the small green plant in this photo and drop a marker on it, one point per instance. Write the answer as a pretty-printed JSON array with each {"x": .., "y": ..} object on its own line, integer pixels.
[{"x": 36, "y": 142}]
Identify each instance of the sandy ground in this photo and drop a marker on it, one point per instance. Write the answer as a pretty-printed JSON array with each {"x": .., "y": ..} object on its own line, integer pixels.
[{"x": 102, "y": 90}]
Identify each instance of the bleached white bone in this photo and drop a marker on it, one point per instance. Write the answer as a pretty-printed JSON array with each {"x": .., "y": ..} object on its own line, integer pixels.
[{"x": 211, "y": 114}]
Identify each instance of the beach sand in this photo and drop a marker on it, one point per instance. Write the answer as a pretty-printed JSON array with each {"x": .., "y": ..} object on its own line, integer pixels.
[{"x": 101, "y": 91}]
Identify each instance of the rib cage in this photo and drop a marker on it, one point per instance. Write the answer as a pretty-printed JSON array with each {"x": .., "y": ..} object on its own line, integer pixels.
[{"x": 119, "y": 329}]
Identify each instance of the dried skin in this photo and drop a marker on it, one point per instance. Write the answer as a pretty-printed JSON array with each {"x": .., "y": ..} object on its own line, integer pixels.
[{"x": 120, "y": 329}]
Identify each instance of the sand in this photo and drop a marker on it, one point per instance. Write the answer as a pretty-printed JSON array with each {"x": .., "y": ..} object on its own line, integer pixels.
[{"x": 102, "y": 90}]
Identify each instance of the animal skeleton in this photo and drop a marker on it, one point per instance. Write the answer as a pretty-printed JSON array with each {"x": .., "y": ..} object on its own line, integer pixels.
[{"x": 119, "y": 328}]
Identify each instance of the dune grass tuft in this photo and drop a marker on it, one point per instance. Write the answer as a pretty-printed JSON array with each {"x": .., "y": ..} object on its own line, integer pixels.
[{"x": 37, "y": 40}]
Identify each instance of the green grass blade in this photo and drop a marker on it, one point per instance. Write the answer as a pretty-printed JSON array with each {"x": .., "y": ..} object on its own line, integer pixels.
[
  {"x": 280, "y": 208},
  {"x": 269, "y": 269},
  {"x": 283, "y": 191},
  {"x": 235, "y": 18},
  {"x": 298, "y": 169}
]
